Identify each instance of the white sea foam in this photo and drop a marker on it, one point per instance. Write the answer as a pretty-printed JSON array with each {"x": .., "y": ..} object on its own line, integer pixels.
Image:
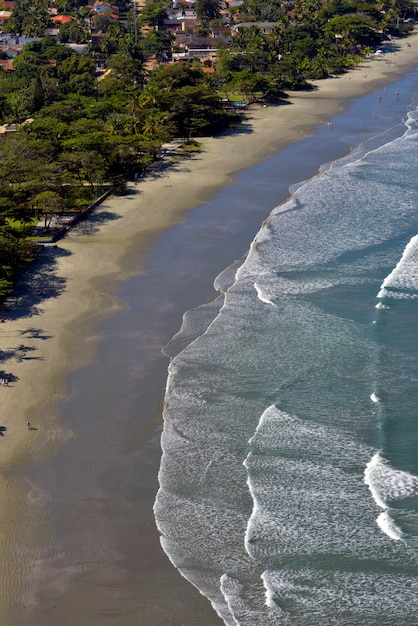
[
  {"x": 261, "y": 295},
  {"x": 411, "y": 124},
  {"x": 389, "y": 526},
  {"x": 339, "y": 597},
  {"x": 269, "y": 594},
  {"x": 230, "y": 590},
  {"x": 236, "y": 594},
  {"x": 402, "y": 282},
  {"x": 306, "y": 497},
  {"x": 304, "y": 478},
  {"x": 388, "y": 484},
  {"x": 374, "y": 398},
  {"x": 380, "y": 305}
]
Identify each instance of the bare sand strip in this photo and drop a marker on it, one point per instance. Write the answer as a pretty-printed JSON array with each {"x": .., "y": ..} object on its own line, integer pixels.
[{"x": 52, "y": 330}]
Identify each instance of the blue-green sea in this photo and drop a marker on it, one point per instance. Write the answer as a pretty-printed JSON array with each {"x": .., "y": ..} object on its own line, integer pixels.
[{"x": 289, "y": 476}]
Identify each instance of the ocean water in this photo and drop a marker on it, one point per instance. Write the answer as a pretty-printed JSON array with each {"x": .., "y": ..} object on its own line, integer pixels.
[{"x": 289, "y": 475}]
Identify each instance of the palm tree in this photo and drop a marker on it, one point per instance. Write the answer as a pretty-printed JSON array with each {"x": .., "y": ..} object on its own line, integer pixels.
[{"x": 156, "y": 126}]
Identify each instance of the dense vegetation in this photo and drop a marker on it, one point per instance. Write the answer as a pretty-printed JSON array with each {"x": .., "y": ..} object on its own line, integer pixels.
[{"x": 79, "y": 132}]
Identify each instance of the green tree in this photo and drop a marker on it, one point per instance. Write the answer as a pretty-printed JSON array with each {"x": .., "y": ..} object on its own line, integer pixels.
[
  {"x": 253, "y": 47},
  {"x": 14, "y": 256},
  {"x": 48, "y": 203},
  {"x": 37, "y": 92},
  {"x": 76, "y": 74},
  {"x": 127, "y": 69},
  {"x": 73, "y": 32},
  {"x": 153, "y": 13},
  {"x": 250, "y": 84},
  {"x": 86, "y": 165},
  {"x": 27, "y": 65},
  {"x": 354, "y": 29},
  {"x": 157, "y": 126},
  {"x": 158, "y": 43},
  {"x": 196, "y": 110},
  {"x": 262, "y": 10},
  {"x": 29, "y": 18},
  {"x": 207, "y": 10}
]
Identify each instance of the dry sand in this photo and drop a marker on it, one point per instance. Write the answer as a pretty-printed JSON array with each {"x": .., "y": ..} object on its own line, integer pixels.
[{"x": 44, "y": 334}]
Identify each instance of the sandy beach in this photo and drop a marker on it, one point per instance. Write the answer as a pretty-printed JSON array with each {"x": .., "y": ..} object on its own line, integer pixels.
[{"x": 53, "y": 328}]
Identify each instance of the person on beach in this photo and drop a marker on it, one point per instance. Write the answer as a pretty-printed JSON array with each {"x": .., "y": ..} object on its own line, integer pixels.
[{"x": 28, "y": 425}]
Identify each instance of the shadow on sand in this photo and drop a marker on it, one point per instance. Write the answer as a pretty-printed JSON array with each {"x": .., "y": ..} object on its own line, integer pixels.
[
  {"x": 91, "y": 225},
  {"x": 37, "y": 284},
  {"x": 11, "y": 378}
]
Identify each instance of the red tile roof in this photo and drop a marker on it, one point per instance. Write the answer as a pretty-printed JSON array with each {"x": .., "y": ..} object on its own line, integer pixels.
[
  {"x": 62, "y": 19},
  {"x": 7, "y": 64}
]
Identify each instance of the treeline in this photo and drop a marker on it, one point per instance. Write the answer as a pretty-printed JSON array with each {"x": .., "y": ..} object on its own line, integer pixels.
[
  {"x": 314, "y": 40},
  {"x": 79, "y": 131}
]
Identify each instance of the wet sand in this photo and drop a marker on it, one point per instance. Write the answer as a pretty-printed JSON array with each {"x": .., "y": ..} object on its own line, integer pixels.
[{"x": 81, "y": 345}]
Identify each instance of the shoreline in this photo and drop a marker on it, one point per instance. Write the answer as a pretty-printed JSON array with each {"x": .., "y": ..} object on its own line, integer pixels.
[{"x": 52, "y": 331}]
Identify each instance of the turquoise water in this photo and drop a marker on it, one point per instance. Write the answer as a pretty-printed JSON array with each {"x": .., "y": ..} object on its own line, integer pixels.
[{"x": 289, "y": 477}]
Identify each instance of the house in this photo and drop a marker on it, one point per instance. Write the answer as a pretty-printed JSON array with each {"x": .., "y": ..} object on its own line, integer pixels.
[
  {"x": 51, "y": 32},
  {"x": 11, "y": 51},
  {"x": 265, "y": 27},
  {"x": 194, "y": 47},
  {"x": 4, "y": 15},
  {"x": 6, "y": 129},
  {"x": 174, "y": 25},
  {"x": 59, "y": 20},
  {"x": 95, "y": 19},
  {"x": 82, "y": 48},
  {"x": 7, "y": 65},
  {"x": 16, "y": 40},
  {"x": 221, "y": 33},
  {"x": 188, "y": 41},
  {"x": 105, "y": 8}
]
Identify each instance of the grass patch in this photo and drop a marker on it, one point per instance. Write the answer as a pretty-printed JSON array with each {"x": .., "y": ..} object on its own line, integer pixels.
[
  {"x": 188, "y": 147},
  {"x": 23, "y": 228}
]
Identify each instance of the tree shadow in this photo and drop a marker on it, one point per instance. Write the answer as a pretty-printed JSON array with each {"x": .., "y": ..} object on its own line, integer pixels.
[
  {"x": 37, "y": 284},
  {"x": 11, "y": 378},
  {"x": 34, "y": 333},
  {"x": 91, "y": 225},
  {"x": 131, "y": 190},
  {"x": 19, "y": 353},
  {"x": 392, "y": 46},
  {"x": 242, "y": 127}
]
